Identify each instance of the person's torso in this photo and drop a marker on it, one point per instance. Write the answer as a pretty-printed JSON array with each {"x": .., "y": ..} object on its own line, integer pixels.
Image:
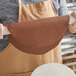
[
  {"x": 9, "y": 14},
  {"x": 14, "y": 62}
]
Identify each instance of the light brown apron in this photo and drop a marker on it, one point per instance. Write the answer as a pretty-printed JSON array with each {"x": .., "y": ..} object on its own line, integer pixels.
[{"x": 14, "y": 62}]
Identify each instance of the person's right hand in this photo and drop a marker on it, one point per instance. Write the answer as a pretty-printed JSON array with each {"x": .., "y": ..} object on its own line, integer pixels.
[
  {"x": 1, "y": 31},
  {"x": 72, "y": 27}
]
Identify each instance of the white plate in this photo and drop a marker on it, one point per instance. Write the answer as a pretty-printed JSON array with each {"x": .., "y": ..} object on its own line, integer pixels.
[{"x": 53, "y": 69}]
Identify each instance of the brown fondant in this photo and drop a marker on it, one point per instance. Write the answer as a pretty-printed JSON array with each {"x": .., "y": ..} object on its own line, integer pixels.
[{"x": 38, "y": 36}]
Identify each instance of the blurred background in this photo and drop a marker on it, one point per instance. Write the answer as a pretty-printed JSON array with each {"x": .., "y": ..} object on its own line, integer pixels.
[{"x": 69, "y": 42}]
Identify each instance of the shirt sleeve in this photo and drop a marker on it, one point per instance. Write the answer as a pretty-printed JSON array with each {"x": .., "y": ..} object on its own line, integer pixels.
[{"x": 63, "y": 8}]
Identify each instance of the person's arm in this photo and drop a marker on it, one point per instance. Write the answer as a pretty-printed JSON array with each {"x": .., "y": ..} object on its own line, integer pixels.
[{"x": 61, "y": 9}]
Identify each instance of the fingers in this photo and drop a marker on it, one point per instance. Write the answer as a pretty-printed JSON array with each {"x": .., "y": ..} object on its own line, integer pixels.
[
  {"x": 73, "y": 14},
  {"x": 1, "y": 31}
]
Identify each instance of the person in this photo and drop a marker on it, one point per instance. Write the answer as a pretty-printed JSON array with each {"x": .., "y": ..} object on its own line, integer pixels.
[{"x": 17, "y": 62}]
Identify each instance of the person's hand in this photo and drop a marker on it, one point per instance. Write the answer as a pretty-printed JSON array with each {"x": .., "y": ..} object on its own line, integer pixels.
[
  {"x": 1, "y": 31},
  {"x": 72, "y": 27}
]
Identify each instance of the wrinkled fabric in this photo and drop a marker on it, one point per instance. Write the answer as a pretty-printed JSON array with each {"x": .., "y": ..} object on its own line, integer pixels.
[{"x": 38, "y": 36}]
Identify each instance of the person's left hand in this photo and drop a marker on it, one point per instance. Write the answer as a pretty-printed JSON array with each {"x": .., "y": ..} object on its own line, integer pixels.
[
  {"x": 72, "y": 27},
  {"x": 1, "y": 31}
]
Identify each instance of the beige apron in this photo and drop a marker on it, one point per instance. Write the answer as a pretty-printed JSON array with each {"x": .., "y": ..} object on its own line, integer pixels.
[{"x": 14, "y": 62}]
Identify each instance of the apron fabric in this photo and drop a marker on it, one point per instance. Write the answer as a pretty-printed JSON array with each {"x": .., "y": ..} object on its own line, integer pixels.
[{"x": 14, "y": 62}]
